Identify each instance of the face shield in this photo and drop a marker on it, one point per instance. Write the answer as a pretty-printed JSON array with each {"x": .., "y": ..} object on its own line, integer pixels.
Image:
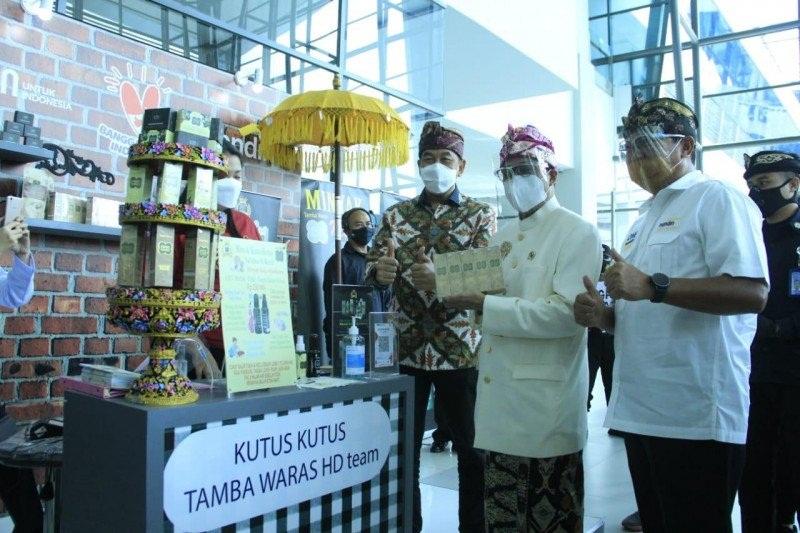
[
  {"x": 525, "y": 180},
  {"x": 648, "y": 153}
]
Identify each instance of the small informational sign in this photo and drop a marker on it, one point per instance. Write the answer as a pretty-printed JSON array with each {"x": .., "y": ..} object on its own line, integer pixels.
[
  {"x": 227, "y": 474},
  {"x": 256, "y": 314},
  {"x": 383, "y": 343}
]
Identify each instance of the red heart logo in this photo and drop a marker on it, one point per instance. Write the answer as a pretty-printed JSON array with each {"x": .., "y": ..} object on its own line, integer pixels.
[{"x": 134, "y": 105}]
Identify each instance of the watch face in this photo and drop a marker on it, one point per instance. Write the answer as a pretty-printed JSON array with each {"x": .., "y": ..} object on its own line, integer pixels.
[{"x": 660, "y": 280}]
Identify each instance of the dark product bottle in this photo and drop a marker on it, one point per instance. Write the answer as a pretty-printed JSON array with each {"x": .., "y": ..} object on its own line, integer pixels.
[
  {"x": 313, "y": 356},
  {"x": 264, "y": 314},
  {"x": 257, "y": 313}
]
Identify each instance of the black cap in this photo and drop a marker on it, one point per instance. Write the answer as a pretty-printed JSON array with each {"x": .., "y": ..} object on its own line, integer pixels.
[{"x": 770, "y": 161}]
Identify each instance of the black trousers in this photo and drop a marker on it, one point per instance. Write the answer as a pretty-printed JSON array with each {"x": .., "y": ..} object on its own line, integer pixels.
[
  {"x": 601, "y": 357},
  {"x": 19, "y": 494},
  {"x": 457, "y": 390},
  {"x": 683, "y": 485},
  {"x": 441, "y": 435},
  {"x": 769, "y": 495}
]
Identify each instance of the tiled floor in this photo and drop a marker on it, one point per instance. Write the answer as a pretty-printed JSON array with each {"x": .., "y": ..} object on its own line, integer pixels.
[{"x": 609, "y": 494}]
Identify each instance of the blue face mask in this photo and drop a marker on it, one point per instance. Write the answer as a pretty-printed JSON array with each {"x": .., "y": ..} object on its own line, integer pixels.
[{"x": 363, "y": 236}]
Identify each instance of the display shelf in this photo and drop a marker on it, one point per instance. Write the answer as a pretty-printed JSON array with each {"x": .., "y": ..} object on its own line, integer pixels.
[
  {"x": 21, "y": 153},
  {"x": 71, "y": 229}
]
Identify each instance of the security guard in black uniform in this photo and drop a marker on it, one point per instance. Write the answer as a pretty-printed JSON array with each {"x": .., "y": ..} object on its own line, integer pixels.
[{"x": 769, "y": 494}]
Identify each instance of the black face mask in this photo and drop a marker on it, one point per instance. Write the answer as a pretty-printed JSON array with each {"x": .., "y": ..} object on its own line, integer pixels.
[
  {"x": 770, "y": 200},
  {"x": 362, "y": 236}
]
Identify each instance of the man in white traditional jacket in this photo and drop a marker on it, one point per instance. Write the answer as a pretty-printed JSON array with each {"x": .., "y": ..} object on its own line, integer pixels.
[{"x": 530, "y": 414}]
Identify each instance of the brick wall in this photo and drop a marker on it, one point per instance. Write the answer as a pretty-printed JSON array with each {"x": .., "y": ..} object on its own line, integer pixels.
[{"x": 63, "y": 61}]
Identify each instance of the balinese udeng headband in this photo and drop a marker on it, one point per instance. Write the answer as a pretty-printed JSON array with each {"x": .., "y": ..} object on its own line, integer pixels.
[
  {"x": 436, "y": 137},
  {"x": 770, "y": 161},
  {"x": 664, "y": 115},
  {"x": 527, "y": 140}
]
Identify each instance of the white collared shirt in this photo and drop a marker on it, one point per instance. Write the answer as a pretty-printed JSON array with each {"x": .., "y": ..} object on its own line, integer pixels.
[{"x": 680, "y": 373}]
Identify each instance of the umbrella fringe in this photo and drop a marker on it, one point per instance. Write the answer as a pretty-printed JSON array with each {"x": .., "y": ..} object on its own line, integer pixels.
[{"x": 287, "y": 130}]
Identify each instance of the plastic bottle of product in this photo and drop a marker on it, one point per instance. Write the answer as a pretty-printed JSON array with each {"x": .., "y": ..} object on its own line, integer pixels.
[
  {"x": 300, "y": 351},
  {"x": 313, "y": 356},
  {"x": 257, "y": 313},
  {"x": 265, "y": 314},
  {"x": 354, "y": 351}
]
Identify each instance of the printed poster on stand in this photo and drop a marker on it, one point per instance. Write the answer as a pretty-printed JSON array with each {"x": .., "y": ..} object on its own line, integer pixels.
[{"x": 256, "y": 314}]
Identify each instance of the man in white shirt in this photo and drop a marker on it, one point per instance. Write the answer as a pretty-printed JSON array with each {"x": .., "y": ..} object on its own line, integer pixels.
[
  {"x": 691, "y": 276},
  {"x": 530, "y": 413}
]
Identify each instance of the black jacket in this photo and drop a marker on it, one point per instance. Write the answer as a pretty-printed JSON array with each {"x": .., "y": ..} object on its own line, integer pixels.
[
  {"x": 775, "y": 354},
  {"x": 354, "y": 268}
]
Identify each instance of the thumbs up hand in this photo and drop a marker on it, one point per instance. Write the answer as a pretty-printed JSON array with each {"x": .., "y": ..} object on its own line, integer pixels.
[
  {"x": 626, "y": 282},
  {"x": 423, "y": 275},
  {"x": 588, "y": 308},
  {"x": 387, "y": 266}
]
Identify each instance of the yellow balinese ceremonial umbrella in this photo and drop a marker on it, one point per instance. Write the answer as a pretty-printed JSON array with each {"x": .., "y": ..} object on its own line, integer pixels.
[{"x": 338, "y": 119}]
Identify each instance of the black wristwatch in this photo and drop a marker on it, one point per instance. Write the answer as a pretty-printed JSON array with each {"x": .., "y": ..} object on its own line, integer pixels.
[{"x": 660, "y": 283}]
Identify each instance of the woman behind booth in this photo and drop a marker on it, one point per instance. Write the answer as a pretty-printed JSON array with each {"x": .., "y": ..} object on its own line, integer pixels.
[{"x": 239, "y": 225}]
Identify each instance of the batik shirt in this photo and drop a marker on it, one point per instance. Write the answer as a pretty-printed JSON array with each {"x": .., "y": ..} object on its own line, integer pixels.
[{"x": 432, "y": 336}]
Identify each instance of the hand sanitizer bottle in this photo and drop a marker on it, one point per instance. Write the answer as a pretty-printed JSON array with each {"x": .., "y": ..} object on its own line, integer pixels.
[
  {"x": 354, "y": 351},
  {"x": 300, "y": 352}
]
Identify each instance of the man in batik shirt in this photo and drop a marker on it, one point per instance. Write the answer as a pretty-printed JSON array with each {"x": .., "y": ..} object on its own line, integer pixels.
[{"x": 437, "y": 344}]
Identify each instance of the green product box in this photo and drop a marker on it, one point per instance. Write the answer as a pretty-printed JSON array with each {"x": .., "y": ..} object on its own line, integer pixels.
[
  {"x": 494, "y": 265},
  {"x": 23, "y": 117},
  {"x": 169, "y": 183},
  {"x": 130, "y": 256},
  {"x": 197, "y": 259},
  {"x": 14, "y": 127},
  {"x": 212, "y": 268},
  {"x": 200, "y": 187},
  {"x": 442, "y": 279},
  {"x": 214, "y": 146},
  {"x": 468, "y": 271},
  {"x": 140, "y": 184},
  {"x": 454, "y": 274},
  {"x": 11, "y": 137},
  {"x": 160, "y": 256},
  {"x": 193, "y": 122}
]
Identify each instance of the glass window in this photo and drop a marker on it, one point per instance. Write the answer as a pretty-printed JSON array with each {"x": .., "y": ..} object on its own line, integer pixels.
[
  {"x": 399, "y": 45},
  {"x": 638, "y": 30},
  {"x": 141, "y": 21},
  {"x": 760, "y": 61},
  {"x": 598, "y": 7},
  {"x": 101, "y": 13},
  {"x": 309, "y": 26},
  {"x": 720, "y": 17},
  {"x": 748, "y": 116},
  {"x": 598, "y": 32}
]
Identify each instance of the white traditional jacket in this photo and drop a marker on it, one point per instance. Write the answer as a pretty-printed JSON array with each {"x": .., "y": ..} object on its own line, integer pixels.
[{"x": 533, "y": 373}]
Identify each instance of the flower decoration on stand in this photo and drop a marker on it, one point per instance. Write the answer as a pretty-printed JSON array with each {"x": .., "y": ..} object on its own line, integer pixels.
[
  {"x": 188, "y": 153},
  {"x": 184, "y": 214}
]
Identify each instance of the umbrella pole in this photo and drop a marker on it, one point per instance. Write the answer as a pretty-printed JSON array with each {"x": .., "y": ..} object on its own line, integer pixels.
[{"x": 336, "y": 177}]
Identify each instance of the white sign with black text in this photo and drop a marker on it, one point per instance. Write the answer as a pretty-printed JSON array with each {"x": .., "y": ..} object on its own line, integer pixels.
[{"x": 227, "y": 474}]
